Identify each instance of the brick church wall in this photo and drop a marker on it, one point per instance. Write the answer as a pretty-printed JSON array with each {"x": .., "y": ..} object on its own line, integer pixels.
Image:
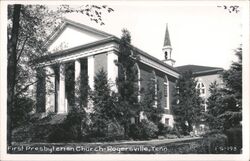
[{"x": 146, "y": 75}]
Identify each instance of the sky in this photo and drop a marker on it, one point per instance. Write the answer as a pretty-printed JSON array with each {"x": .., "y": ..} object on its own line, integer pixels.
[{"x": 200, "y": 34}]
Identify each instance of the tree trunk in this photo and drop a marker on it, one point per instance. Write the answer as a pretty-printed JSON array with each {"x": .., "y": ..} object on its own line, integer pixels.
[{"x": 11, "y": 69}]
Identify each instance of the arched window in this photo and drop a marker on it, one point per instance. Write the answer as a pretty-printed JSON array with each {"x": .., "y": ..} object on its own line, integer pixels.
[
  {"x": 154, "y": 79},
  {"x": 166, "y": 92},
  {"x": 201, "y": 88},
  {"x": 138, "y": 81}
]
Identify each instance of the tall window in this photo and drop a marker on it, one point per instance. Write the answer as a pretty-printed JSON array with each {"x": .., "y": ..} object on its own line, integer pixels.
[
  {"x": 138, "y": 81},
  {"x": 167, "y": 121},
  {"x": 154, "y": 79},
  {"x": 166, "y": 92},
  {"x": 201, "y": 88}
]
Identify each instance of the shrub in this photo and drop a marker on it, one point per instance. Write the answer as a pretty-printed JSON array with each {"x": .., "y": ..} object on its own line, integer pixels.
[
  {"x": 21, "y": 111},
  {"x": 60, "y": 134},
  {"x": 143, "y": 130},
  {"x": 216, "y": 141},
  {"x": 111, "y": 132},
  {"x": 71, "y": 129},
  {"x": 234, "y": 136},
  {"x": 114, "y": 129},
  {"x": 149, "y": 129},
  {"x": 168, "y": 131},
  {"x": 135, "y": 131}
]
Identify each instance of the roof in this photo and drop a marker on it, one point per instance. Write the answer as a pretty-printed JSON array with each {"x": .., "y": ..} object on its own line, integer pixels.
[
  {"x": 167, "y": 41},
  {"x": 109, "y": 38},
  {"x": 199, "y": 70},
  {"x": 100, "y": 42},
  {"x": 66, "y": 22}
]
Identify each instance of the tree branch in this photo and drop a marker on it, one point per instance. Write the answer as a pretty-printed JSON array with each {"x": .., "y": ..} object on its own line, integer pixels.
[
  {"x": 25, "y": 88},
  {"x": 20, "y": 53}
]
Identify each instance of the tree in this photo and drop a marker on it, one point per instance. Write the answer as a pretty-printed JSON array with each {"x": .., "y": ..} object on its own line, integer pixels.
[
  {"x": 105, "y": 109},
  {"x": 232, "y": 79},
  {"x": 28, "y": 28},
  {"x": 225, "y": 102},
  {"x": 151, "y": 103},
  {"x": 215, "y": 107},
  {"x": 187, "y": 105},
  {"x": 127, "y": 80}
]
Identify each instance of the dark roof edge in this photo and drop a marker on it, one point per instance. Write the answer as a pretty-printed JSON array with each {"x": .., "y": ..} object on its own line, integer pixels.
[{"x": 209, "y": 71}]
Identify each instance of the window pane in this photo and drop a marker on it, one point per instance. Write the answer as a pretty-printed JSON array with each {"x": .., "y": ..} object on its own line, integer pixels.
[
  {"x": 167, "y": 121},
  {"x": 165, "y": 90}
]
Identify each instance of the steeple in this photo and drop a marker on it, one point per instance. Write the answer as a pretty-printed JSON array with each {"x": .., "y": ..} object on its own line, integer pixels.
[{"x": 167, "y": 49}]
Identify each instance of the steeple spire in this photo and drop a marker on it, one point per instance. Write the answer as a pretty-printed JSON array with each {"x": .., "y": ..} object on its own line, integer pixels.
[
  {"x": 167, "y": 48},
  {"x": 167, "y": 41}
]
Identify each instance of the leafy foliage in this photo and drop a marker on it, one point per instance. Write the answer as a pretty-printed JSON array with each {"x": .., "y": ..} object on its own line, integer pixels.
[
  {"x": 214, "y": 101},
  {"x": 127, "y": 81},
  {"x": 143, "y": 130},
  {"x": 151, "y": 103},
  {"x": 187, "y": 105},
  {"x": 94, "y": 12},
  {"x": 225, "y": 102},
  {"x": 73, "y": 127},
  {"x": 22, "y": 112},
  {"x": 105, "y": 109},
  {"x": 28, "y": 28}
]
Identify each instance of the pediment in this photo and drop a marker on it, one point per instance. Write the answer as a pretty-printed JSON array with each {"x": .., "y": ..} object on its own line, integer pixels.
[{"x": 72, "y": 34}]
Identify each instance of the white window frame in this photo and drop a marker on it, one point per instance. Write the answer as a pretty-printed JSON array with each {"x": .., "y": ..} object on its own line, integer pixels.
[
  {"x": 139, "y": 81},
  {"x": 156, "y": 92},
  {"x": 201, "y": 88},
  {"x": 166, "y": 83}
]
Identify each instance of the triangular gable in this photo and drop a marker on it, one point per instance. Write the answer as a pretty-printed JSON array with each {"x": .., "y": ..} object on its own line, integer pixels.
[{"x": 71, "y": 34}]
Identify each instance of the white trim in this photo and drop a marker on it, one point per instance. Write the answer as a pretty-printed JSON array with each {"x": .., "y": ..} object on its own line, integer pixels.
[
  {"x": 139, "y": 81},
  {"x": 82, "y": 54},
  {"x": 170, "y": 117},
  {"x": 158, "y": 66},
  {"x": 166, "y": 82},
  {"x": 112, "y": 69},
  {"x": 167, "y": 47},
  {"x": 106, "y": 48},
  {"x": 156, "y": 90},
  {"x": 201, "y": 88},
  {"x": 91, "y": 71}
]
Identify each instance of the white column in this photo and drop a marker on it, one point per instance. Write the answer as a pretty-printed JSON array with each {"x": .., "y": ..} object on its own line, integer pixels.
[
  {"x": 112, "y": 69},
  {"x": 50, "y": 89},
  {"x": 77, "y": 82},
  {"x": 91, "y": 72},
  {"x": 61, "y": 94}
]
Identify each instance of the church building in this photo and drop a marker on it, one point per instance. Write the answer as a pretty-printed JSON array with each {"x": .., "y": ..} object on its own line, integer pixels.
[
  {"x": 77, "y": 52},
  {"x": 204, "y": 75}
]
